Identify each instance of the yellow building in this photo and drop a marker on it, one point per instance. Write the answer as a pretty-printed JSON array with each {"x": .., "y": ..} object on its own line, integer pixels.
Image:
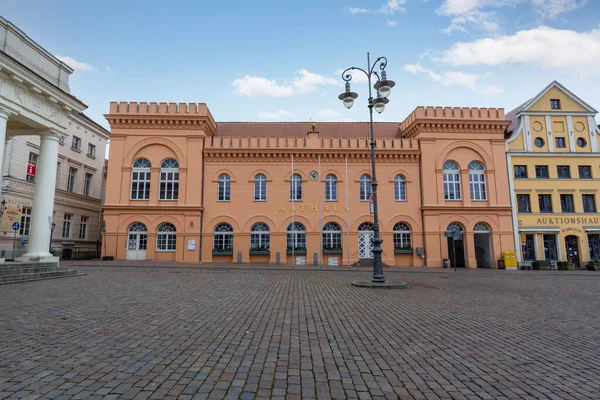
[{"x": 554, "y": 175}]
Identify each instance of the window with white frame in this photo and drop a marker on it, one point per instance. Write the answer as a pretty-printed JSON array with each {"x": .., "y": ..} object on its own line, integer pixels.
[
  {"x": 25, "y": 221},
  {"x": 169, "y": 180},
  {"x": 140, "y": 179},
  {"x": 76, "y": 143},
  {"x": 260, "y": 187},
  {"x": 331, "y": 188},
  {"x": 91, "y": 150},
  {"x": 223, "y": 237},
  {"x": 296, "y": 236},
  {"x": 31, "y": 167},
  {"x": 402, "y": 236},
  {"x": 87, "y": 184},
  {"x": 83, "y": 227},
  {"x": 224, "y": 188},
  {"x": 332, "y": 236},
  {"x": 166, "y": 237},
  {"x": 399, "y": 188},
  {"x": 66, "y": 231},
  {"x": 477, "y": 181},
  {"x": 451, "y": 181},
  {"x": 296, "y": 188},
  {"x": 72, "y": 180},
  {"x": 365, "y": 187},
  {"x": 259, "y": 237}
]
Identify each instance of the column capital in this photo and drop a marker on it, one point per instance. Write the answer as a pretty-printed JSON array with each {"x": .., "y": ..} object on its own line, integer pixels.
[
  {"x": 52, "y": 134},
  {"x": 6, "y": 111}
]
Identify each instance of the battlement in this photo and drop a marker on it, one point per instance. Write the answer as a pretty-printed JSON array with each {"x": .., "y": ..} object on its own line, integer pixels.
[
  {"x": 143, "y": 108},
  {"x": 454, "y": 113}
]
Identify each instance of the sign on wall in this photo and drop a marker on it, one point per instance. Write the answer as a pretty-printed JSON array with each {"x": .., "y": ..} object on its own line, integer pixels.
[
  {"x": 31, "y": 169},
  {"x": 12, "y": 214}
]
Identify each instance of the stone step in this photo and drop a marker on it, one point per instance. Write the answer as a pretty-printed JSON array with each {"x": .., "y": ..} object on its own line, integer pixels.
[
  {"x": 28, "y": 269},
  {"x": 6, "y": 279}
]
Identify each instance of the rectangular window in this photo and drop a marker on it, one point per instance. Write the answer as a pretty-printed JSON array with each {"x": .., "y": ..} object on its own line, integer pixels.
[
  {"x": 563, "y": 171},
  {"x": 66, "y": 232},
  {"x": 560, "y": 143},
  {"x": 76, "y": 143},
  {"x": 83, "y": 227},
  {"x": 528, "y": 248},
  {"x": 541, "y": 171},
  {"x": 555, "y": 104},
  {"x": 566, "y": 203},
  {"x": 72, "y": 180},
  {"x": 140, "y": 184},
  {"x": 58, "y": 175},
  {"x": 91, "y": 150},
  {"x": 594, "y": 246},
  {"x": 31, "y": 167},
  {"x": 545, "y": 202},
  {"x": 520, "y": 171},
  {"x": 589, "y": 203},
  {"x": 550, "y": 247},
  {"x": 87, "y": 184},
  {"x": 523, "y": 203},
  {"x": 585, "y": 172},
  {"x": 25, "y": 221}
]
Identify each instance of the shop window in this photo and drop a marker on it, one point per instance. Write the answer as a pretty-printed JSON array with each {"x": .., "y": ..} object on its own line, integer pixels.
[
  {"x": 166, "y": 237},
  {"x": 331, "y": 188},
  {"x": 224, "y": 188},
  {"x": 550, "y": 247},
  {"x": 451, "y": 181},
  {"x": 594, "y": 246},
  {"x": 400, "y": 188},
  {"x": 477, "y": 181},
  {"x": 545, "y": 203},
  {"x": 169, "y": 180},
  {"x": 140, "y": 179},
  {"x": 528, "y": 248}
]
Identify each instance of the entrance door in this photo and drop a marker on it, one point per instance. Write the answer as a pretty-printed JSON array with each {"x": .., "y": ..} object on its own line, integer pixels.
[
  {"x": 572, "y": 243},
  {"x": 456, "y": 247},
  {"x": 365, "y": 240},
  {"x": 137, "y": 240}
]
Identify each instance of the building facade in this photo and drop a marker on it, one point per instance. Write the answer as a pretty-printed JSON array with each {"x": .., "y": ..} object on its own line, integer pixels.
[
  {"x": 182, "y": 187},
  {"x": 553, "y": 159}
]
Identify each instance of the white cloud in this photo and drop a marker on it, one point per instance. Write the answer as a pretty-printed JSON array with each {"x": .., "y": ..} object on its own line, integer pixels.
[
  {"x": 553, "y": 8},
  {"x": 76, "y": 65},
  {"x": 389, "y": 7},
  {"x": 456, "y": 78},
  {"x": 392, "y": 22},
  {"x": 276, "y": 115},
  {"x": 108, "y": 69},
  {"x": 542, "y": 47},
  {"x": 331, "y": 115},
  {"x": 305, "y": 83}
]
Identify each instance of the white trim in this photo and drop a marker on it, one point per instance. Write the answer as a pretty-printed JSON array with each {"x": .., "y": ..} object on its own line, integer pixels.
[
  {"x": 558, "y": 113},
  {"x": 513, "y": 206},
  {"x": 540, "y": 154},
  {"x": 593, "y": 128},
  {"x": 514, "y": 136},
  {"x": 540, "y": 230},
  {"x": 570, "y": 129},
  {"x": 549, "y": 134},
  {"x": 563, "y": 89},
  {"x": 527, "y": 138},
  {"x": 558, "y": 247},
  {"x": 536, "y": 250}
]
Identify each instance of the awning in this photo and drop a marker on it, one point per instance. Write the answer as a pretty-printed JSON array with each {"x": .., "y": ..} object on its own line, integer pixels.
[
  {"x": 551, "y": 230},
  {"x": 592, "y": 228}
]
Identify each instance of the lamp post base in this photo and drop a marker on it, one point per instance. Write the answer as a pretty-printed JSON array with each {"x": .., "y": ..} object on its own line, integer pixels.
[{"x": 380, "y": 285}]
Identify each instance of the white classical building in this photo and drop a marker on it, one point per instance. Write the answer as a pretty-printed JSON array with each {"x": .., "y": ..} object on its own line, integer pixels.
[{"x": 52, "y": 155}]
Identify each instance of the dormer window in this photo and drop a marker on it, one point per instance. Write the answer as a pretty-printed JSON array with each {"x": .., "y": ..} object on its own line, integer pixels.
[{"x": 555, "y": 104}]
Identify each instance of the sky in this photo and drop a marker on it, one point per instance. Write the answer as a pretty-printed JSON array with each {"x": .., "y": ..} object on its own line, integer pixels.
[{"x": 282, "y": 60}]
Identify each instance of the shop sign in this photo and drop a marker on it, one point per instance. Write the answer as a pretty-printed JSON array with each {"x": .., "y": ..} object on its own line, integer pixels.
[
  {"x": 31, "y": 169},
  {"x": 523, "y": 238},
  {"x": 571, "y": 229},
  {"x": 569, "y": 220},
  {"x": 11, "y": 214}
]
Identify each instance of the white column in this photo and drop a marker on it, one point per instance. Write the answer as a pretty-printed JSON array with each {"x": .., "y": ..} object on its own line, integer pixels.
[
  {"x": 43, "y": 200},
  {"x": 4, "y": 114}
]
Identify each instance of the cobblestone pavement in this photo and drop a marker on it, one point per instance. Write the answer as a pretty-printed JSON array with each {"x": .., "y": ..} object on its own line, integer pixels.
[{"x": 191, "y": 333}]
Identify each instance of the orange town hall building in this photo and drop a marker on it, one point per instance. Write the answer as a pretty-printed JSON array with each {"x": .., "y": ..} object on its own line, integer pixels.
[{"x": 184, "y": 187}]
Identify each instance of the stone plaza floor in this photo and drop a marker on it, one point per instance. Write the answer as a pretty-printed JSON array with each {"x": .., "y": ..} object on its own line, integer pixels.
[{"x": 135, "y": 332}]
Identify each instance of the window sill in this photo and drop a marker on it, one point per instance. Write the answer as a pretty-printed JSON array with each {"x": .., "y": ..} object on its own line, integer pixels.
[
  {"x": 331, "y": 201},
  {"x": 260, "y": 201},
  {"x": 166, "y": 251},
  {"x": 332, "y": 251},
  {"x": 224, "y": 201},
  {"x": 401, "y": 201},
  {"x": 296, "y": 252},
  {"x": 76, "y": 149},
  {"x": 139, "y": 199},
  {"x": 403, "y": 251},
  {"x": 91, "y": 156},
  {"x": 454, "y": 200},
  {"x": 296, "y": 201},
  {"x": 222, "y": 253},
  {"x": 480, "y": 201},
  {"x": 171, "y": 200},
  {"x": 259, "y": 252}
]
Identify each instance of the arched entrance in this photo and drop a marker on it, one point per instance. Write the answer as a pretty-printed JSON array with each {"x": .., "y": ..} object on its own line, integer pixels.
[
  {"x": 456, "y": 245},
  {"x": 137, "y": 241},
  {"x": 365, "y": 240},
  {"x": 572, "y": 245},
  {"x": 483, "y": 247}
]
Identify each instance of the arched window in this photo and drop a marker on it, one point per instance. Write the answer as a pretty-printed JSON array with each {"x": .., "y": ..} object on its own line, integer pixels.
[
  {"x": 296, "y": 188},
  {"x": 332, "y": 236},
  {"x": 330, "y": 188},
  {"x": 223, "y": 237},
  {"x": 451, "y": 181},
  {"x": 481, "y": 227},
  {"x": 366, "y": 227},
  {"x": 140, "y": 179},
  {"x": 224, "y": 187},
  {"x": 296, "y": 236},
  {"x": 477, "y": 181},
  {"x": 166, "y": 236},
  {"x": 138, "y": 237},
  {"x": 259, "y": 237},
  {"x": 365, "y": 187},
  {"x": 169, "y": 179},
  {"x": 260, "y": 187},
  {"x": 455, "y": 227},
  {"x": 402, "y": 236},
  {"x": 400, "y": 188}
]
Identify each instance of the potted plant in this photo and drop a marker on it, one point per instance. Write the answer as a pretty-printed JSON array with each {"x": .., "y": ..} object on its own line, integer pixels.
[
  {"x": 332, "y": 250},
  {"x": 403, "y": 250},
  {"x": 593, "y": 265},
  {"x": 223, "y": 251},
  {"x": 296, "y": 250},
  {"x": 564, "y": 265},
  {"x": 259, "y": 250}
]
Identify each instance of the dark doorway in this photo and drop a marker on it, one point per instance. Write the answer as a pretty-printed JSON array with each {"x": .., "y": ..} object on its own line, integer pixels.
[
  {"x": 456, "y": 246},
  {"x": 572, "y": 243}
]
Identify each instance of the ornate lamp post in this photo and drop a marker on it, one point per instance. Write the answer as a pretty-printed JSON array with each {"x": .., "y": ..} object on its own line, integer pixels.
[{"x": 383, "y": 87}]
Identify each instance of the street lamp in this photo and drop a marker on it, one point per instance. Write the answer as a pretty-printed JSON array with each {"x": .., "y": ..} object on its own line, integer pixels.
[{"x": 384, "y": 88}]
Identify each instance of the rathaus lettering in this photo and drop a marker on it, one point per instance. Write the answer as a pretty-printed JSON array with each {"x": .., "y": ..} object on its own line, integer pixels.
[
  {"x": 313, "y": 208},
  {"x": 569, "y": 220}
]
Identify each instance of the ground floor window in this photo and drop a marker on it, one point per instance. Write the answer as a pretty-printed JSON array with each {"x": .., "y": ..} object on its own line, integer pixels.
[
  {"x": 332, "y": 236},
  {"x": 25, "y": 221},
  {"x": 528, "y": 248},
  {"x": 402, "y": 237},
  {"x": 223, "y": 237},
  {"x": 550, "y": 247},
  {"x": 259, "y": 237},
  {"x": 166, "y": 239},
  {"x": 296, "y": 236},
  {"x": 594, "y": 245}
]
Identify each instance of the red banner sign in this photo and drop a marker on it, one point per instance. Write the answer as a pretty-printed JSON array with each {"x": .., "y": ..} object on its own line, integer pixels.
[{"x": 31, "y": 169}]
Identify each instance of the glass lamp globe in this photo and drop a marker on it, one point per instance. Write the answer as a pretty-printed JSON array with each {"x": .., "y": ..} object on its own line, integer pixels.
[
  {"x": 379, "y": 107},
  {"x": 348, "y": 102}
]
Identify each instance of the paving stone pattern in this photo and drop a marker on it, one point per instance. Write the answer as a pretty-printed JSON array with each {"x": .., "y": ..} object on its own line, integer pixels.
[{"x": 139, "y": 333}]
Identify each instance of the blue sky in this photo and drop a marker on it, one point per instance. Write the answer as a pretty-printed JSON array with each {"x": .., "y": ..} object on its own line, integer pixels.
[{"x": 281, "y": 60}]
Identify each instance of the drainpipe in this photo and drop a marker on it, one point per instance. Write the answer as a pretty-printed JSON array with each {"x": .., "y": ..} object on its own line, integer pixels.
[
  {"x": 201, "y": 205},
  {"x": 422, "y": 213}
]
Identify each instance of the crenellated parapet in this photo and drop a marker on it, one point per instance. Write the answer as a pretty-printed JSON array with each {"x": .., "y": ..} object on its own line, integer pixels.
[
  {"x": 161, "y": 115},
  {"x": 452, "y": 119}
]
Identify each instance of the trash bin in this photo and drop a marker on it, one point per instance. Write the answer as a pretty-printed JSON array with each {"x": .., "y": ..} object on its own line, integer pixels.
[
  {"x": 501, "y": 264},
  {"x": 67, "y": 254},
  {"x": 446, "y": 263}
]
